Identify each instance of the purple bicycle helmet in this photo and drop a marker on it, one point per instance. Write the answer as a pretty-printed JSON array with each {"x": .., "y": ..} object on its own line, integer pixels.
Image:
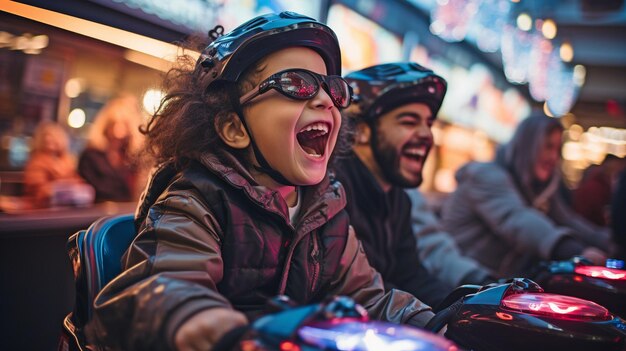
[{"x": 229, "y": 55}]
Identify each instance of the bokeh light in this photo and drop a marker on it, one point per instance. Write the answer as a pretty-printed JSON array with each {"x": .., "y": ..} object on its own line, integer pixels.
[
  {"x": 524, "y": 22},
  {"x": 76, "y": 118},
  {"x": 151, "y": 100},
  {"x": 566, "y": 51}
]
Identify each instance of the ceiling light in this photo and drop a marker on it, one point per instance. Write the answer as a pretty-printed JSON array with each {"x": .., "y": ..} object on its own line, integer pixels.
[
  {"x": 152, "y": 99},
  {"x": 548, "y": 29},
  {"x": 524, "y": 22},
  {"x": 39, "y": 42},
  {"x": 566, "y": 52},
  {"x": 98, "y": 31},
  {"x": 580, "y": 72},
  {"x": 76, "y": 118},
  {"x": 74, "y": 87}
]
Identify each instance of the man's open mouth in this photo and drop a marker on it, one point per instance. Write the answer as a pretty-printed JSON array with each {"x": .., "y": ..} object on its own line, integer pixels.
[
  {"x": 313, "y": 138},
  {"x": 415, "y": 152}
]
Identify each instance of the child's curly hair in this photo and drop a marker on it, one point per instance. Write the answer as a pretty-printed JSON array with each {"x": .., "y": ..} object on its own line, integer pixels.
[{"x": 184, "y": 125}]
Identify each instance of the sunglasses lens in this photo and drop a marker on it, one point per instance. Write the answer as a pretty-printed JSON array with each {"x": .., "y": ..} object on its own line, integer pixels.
[
  {"x": 298, "y": 85},
  {"x": 302, "y": 85},
  {"x": 339, "y": 91}
]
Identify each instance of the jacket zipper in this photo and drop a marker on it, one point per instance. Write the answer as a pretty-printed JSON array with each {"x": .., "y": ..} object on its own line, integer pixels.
[
  {"x": 315, "y": 258},
  {"x": 292, "y": 246}
]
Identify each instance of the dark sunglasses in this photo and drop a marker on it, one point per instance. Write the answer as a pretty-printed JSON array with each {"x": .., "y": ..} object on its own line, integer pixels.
[{"x": 302, "y": 84}]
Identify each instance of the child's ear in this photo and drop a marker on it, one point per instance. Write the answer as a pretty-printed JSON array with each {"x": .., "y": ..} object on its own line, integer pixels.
[
  {"x": 363, "y": 133},
  {"x": 233, "y": 133}
]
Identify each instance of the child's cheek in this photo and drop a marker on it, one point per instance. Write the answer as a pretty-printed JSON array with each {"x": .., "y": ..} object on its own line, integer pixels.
[
  {"x": 334, "y": 137},
  {"x": 336, "y": 129}
]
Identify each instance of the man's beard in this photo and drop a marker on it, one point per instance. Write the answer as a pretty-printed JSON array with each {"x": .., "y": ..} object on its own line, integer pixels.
[{"x": 388, "y": 160}]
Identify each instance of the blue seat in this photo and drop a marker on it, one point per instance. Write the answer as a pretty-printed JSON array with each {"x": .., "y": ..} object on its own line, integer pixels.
[{"x": 96, "y": 255}]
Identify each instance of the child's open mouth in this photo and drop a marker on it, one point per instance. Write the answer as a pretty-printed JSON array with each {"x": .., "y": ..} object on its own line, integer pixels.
[{"x": 313, "y": 138}]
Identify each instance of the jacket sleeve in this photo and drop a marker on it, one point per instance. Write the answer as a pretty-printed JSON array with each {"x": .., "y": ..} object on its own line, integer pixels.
[
  {"x": 409, "y": 273},
  {"x": 357, "y": 279},
  {"x": 437, "y": 249},
  {"x": 501, "y": 207},
  {"x": 171, "y": 272},
  {"x": 585, "y": 231}
]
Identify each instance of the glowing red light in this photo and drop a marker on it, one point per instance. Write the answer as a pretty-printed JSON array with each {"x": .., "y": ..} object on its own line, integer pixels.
[
  {"x": 562, "y": 310},
  {"x": 289, "y": 346},
  {"x": 601, "y": 272},
  {"x": 557, "y": 306},
  {"x": 504, "y": 316}
]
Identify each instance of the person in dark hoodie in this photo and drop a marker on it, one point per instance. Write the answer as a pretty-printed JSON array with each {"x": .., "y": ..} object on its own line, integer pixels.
[
  {"x": 396, "y": 104},
  {"x": 242, "y": 208},
  {"x": 592, "y": 197},
  {"x": 618, "y": 216},
  {"x": 508, "y": 215}
]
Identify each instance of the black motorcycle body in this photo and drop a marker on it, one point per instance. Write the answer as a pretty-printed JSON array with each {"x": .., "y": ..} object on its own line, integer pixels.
[
  {"x": 519, "y": 316},
  {"x": 603, "y": 285}
]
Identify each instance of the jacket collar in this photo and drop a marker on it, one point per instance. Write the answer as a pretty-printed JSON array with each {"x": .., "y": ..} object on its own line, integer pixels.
[{"x": 320, "y": 202}]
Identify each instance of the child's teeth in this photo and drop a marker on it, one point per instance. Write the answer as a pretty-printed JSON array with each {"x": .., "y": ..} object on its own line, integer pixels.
[{"x": 317, "y": 126}]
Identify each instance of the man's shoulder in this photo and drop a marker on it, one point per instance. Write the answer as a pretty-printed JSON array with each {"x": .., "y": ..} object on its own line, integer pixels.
[
  {"x": 343, "y": 174},
  {"x": 399, "y": 195},
  {"x": 345, "y": 167}
]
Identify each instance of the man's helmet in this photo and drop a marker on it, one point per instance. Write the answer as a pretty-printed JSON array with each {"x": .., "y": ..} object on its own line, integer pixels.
[
  {"x": 381, "y": 88},
  {"x": 229, "y": 55}
]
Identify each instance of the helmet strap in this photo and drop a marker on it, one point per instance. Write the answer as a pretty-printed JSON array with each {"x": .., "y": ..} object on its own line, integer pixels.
[{"x": 264, "y": 166}]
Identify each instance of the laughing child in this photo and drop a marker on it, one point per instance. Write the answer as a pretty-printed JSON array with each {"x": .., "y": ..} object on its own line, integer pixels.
[{"x": 241, "y": 208}]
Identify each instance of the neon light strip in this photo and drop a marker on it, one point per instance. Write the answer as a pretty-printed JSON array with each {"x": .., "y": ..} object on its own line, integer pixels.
[{"x": 129, "y": 40}]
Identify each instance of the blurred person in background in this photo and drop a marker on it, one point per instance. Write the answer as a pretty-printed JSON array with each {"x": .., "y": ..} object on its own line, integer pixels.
[
  {"x": 50, "y": 176},
  {"x": 507, "y": 214},
  {"x": 396, "y": 104},
  {"x": 592, "y": 198},
  {"x": 438, "y": 250},
  {"x": 111, "y": 161},
  {"x": 618, "y": 215}
]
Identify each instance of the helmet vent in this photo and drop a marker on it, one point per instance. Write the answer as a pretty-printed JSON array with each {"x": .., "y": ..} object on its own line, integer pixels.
[
  {"x": 257, "y": 22},
  {"x": 386, "y": 71},
  {"x": 291, "y": 14},
  {"x": 417, "y": 67},
  {"x": 234, "y": 52}
]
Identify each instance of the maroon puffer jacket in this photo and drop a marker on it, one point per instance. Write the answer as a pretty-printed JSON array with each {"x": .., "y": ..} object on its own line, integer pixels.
[{"x": 209, "y": 237}]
